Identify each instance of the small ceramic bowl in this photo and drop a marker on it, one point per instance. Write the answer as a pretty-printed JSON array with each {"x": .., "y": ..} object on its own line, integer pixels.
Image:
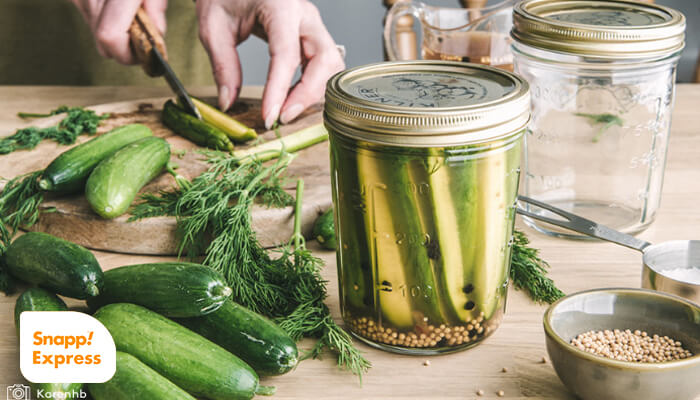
[{"x": 594, "y": 377}]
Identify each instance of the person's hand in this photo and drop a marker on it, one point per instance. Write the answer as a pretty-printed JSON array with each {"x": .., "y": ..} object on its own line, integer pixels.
[
  {"x": 109, "y": 21},
  {"x": 296, "y": 36}
]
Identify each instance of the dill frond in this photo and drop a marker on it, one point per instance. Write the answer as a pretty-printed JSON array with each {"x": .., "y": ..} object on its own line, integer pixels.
[
  {"x": 77, "y": 121},
  {"x": 19, "y": 205},
  {"x": 606, "y": 121},
  {"x": 213, "y": 214},
  {"x": 529, "y": 272}
]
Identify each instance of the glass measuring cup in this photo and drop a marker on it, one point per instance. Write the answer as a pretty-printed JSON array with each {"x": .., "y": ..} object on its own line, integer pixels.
[
  {"x": 657, "y": 259},
  {"x": 478, "y": 35}
]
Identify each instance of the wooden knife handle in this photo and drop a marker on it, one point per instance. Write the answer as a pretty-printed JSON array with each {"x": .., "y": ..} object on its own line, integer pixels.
[{"x": 144, "y": 35}]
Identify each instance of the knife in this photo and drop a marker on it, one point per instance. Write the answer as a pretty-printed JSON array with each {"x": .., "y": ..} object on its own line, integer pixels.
[{"x": 149, "y": 47}]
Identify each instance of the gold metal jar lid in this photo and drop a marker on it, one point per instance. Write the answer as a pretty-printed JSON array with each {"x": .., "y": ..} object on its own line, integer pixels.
[
  {"x": 426, "y": 103},
  {"x": 599, "y": 28}
]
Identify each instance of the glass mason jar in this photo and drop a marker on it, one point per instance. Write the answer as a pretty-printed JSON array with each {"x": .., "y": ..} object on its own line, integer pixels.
[
  {"x": 602, "y": 79},
  {"x": 425, "y": 163}
]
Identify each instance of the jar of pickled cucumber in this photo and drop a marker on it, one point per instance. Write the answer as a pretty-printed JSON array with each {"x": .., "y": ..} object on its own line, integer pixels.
[
  {"x": 602, "y": 77},
  {"x": 425, "y": 162}
]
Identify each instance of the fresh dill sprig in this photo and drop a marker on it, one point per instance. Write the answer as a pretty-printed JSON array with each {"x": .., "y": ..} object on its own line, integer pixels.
[
  {"x": 77, "y": 121},
  {"x": 607, "y": 121},
  {"x": 213, "y": 213},
  {"x": 59, "y": 110},
  {"x": 154, "y": 205},
  {"x": 529, "y": 272},
  {"x": 311, "y": 317},
  {"x": 19, "y": 205}
]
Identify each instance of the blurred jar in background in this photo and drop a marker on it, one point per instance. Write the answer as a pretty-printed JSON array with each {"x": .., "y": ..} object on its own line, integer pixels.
[{"x": 602, "y": 79}]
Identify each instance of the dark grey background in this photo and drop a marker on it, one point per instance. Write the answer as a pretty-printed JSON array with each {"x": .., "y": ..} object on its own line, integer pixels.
[{"x": 357, "y": 24}]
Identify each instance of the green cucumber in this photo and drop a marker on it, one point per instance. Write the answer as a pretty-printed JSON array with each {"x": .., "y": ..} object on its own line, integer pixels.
[
  {"x": 173, "y": 289},
  {"x": 196, "y": 130},
  {"x": 452, "y": 192},
  {"x": 354, "y": 264},
  {"x": 234, "y": 129},
  {"x": 497, "y": 174},
  {"x": 68, "y": 172},
  {"x": 190, "y": 361},
  {"x": 55, "y": 264},
  {"x": 116, "y": 181},
  {"x": 405, "y": 281},
  {"x": 324, "y": 230},
  {"x": 134, "y": 380},
  {"x": 37, "y": 299},
  {"x": 255, "y": 339}
]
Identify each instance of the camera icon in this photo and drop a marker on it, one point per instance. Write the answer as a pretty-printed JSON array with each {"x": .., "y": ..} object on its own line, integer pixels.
[{"x": 18, "y": 392}]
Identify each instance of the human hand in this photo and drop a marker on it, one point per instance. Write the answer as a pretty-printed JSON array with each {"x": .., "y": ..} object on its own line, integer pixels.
[
  {"x": 296, "y": 36},
  {"x": 109, "y": 21}
]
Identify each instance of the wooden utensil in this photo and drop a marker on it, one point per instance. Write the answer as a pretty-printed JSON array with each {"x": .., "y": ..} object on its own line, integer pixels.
[
  {"x": 144, "y": 35},
  {"x": 149, "y": 47}
]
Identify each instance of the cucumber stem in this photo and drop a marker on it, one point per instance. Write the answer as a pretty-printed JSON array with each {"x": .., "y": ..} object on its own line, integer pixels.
[
  {"x": 220, "y": 291},
  {"x": 291, "y": 143},
  {"x": 297, "y": 237},
  {"x": 91, "y": 289},
  {"x": 265, "y": 390},
  {"x": 45, "y": 184}
]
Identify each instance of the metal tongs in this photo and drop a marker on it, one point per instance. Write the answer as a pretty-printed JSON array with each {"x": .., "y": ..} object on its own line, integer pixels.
[{"x": 657, "y": 259}]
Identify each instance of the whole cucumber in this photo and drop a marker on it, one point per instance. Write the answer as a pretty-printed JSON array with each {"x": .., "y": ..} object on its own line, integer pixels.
[
  {"x": 252, "y": 337},
  {"x": 134, "y": 380},
  {"x": 324, "y": 230},
  {"x": 116, "y": 181},
  {"x": 37, "y": 299},
  {"x": 68, "y": 172},
  {"x": 198, "y": 131},
  {"x": 190, "y": 361},
  {"x": 172, "y": 289},
  {"x": 56, "y": 264}
]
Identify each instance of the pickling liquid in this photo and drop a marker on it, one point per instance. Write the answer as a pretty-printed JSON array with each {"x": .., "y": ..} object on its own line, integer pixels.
[
  {"x": 424, "y": 241},
  {"x": 475, "y": 47}
]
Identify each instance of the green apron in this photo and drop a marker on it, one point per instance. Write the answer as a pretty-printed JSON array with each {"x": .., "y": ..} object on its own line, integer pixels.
[{"x": 47, "y": 42}]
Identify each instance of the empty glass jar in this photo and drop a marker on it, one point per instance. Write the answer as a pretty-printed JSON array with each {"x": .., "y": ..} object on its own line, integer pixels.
[{"x": 602, "y": 79}]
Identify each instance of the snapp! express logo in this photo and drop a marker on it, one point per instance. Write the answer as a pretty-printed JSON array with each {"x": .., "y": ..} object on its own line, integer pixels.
[
  {"x": 64, "y": 346},
  {"x": 67, "y": 342}
]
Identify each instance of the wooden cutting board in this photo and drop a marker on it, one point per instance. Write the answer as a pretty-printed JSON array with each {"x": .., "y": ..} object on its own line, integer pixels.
[{"x": 74, "y": 220}]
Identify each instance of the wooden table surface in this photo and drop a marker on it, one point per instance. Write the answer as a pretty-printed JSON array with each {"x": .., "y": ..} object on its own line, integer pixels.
[{"x": 518, "y": 344}]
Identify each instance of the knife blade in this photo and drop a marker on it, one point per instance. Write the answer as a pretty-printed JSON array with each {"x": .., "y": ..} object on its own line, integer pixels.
[
  {"x": 176, "y": 85},
  {"x": 149, "y": 47}
]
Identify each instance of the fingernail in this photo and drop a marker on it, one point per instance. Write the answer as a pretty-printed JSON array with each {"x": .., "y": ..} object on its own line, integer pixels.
[
  {"x": 272, "y": 116},
  {"x": 224, "y": 98},
  {"x": 291, "y": 112}
]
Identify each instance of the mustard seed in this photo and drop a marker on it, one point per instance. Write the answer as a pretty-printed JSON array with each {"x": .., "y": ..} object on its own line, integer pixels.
[
  {"x": 500, "y": 393},
  {"x": 479, "y": 392},
  {"x": 631, "y": 346}
]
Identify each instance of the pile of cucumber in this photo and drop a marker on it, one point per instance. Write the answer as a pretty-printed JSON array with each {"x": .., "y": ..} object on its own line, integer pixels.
[
  {"x": 110, "y": 168},
  {"x": 177, "y": 332}
]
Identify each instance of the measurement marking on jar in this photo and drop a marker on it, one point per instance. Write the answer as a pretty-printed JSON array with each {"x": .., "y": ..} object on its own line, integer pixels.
[{"x": 414, "y": 291}]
